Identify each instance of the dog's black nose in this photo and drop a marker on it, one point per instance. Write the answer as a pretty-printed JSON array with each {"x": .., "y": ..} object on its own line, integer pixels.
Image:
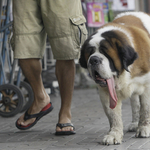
[{"x": 94, "y": 60}]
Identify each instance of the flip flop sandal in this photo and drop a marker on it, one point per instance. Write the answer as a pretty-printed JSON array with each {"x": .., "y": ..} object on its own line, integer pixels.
[
  {"x": 60, "y": 125},
  {"x": 47, "y": 109}
]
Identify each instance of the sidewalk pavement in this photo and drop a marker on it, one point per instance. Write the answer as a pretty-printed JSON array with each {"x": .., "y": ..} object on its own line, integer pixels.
[{"x": 89, "y": 120}]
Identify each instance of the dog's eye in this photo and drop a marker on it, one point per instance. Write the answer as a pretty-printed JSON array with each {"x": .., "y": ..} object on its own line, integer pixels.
[
  {"x": 91, "y": 50},
  {"x": 102, "y": 49}
]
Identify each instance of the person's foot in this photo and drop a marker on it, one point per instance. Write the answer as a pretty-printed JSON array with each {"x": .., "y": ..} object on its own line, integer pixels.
[
  {"x": 34, "y": 109},
  {"x": 65, "y": 132},
  {"x": 64, "y": 119},
  {"x": 68, "y": 128}
]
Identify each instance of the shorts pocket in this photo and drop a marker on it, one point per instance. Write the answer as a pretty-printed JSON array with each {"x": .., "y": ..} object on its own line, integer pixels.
[{"x": 78, "y": 30}]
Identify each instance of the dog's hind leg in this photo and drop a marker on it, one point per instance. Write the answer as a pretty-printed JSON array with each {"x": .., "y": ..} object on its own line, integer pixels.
[
  {"x": 143, "y": 129},
  {"x": 135, "y": 105}
]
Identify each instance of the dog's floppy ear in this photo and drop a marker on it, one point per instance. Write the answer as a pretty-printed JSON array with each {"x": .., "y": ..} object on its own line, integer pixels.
[
  {"x": 127, "y": 55},
  {"x": 126, "y": 52},
  {"x": 86, "y": 51},
  {"x": 82, "y": 59}
]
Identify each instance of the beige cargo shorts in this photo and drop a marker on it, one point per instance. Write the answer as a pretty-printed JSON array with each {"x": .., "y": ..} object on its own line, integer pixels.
[{"x": 61, "y": 20}]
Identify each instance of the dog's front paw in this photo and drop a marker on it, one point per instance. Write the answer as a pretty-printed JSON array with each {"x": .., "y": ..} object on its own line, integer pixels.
[
  {"x": 133, "y": 127},
  {"x": 113, "y": 137},
  {"x": 143, "y": 132}
]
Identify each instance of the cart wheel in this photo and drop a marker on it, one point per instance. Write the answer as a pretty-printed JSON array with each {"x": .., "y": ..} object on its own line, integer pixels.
[
  {"x": 27, "y": 94},
  {"x": 11, "y": 100}
]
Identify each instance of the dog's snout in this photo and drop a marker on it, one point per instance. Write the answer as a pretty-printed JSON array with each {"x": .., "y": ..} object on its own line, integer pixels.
[{"x": 95, "y": 60}]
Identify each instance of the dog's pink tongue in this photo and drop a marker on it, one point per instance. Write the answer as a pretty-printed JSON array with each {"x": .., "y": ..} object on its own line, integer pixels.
[{"x": 112, "y": 93}]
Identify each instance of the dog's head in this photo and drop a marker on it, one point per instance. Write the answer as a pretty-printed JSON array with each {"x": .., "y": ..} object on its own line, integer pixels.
[{"x": 106, "y": 54}]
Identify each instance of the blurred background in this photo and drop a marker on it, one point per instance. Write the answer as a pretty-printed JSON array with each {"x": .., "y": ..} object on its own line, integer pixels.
[
  {"x": 104, "y": 11},
  {"x": 15, "y": 92}
]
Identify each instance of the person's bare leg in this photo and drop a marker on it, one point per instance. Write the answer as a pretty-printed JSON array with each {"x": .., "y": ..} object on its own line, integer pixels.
[
  {"x": 32, "y": 70},
  {"x": 65, "y": 72}
]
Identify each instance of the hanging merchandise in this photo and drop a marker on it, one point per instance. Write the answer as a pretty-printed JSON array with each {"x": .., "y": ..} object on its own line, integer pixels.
[
  {"x": 123, "y": 5},
  {"x": 110, "y": 12},
  {"x": 97, "y": 14}
]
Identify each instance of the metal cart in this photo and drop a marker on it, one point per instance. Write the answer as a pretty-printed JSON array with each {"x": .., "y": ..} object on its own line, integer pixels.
[{"x": 15, "y": 95}]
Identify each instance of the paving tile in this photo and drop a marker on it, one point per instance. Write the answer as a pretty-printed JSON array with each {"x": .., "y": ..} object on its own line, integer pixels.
[
  {"x": 146, "y": 145},
  {"x": 89, "y": 120}
]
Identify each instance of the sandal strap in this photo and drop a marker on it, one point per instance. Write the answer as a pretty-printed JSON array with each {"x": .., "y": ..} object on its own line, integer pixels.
[
  {"x": 62, "y": 125},
  {"x": 28, "y": 116}
]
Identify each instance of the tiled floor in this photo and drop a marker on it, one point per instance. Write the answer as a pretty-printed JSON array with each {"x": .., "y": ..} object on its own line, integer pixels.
[{"x": 89, "y": 120}]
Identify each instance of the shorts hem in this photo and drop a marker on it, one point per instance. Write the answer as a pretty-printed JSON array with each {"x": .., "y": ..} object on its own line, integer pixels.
[
  {"x": 66, "y": 58},
  {"x": 27, "y": 57}
]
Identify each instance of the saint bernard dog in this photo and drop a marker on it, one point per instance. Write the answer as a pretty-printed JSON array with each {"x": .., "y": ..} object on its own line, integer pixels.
[{"x": 117, "y": 57}]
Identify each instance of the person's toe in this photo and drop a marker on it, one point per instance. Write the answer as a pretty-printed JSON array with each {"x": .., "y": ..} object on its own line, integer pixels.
[
  {"x": 58, "y": 129},
  {"x": 64, "y": 129},
  {"x": 20, "y": 120},
  {"x": 27, "y": 122}
]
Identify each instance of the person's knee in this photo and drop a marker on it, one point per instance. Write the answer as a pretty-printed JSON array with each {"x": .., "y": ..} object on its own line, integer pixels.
[
  {"x": 64, "y": 65},
  {"x": 21, "y": 62}
]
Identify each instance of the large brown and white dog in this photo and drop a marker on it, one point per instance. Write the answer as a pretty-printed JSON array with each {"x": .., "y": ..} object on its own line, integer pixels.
[{"x": 118, "y": 59}]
